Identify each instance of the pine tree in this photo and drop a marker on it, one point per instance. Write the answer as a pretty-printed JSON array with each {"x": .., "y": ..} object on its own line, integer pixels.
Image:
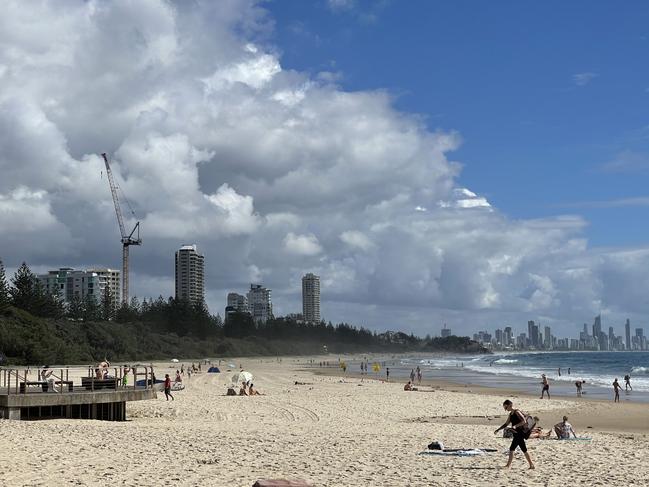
[
  {"x": 24, "y": 293},
  {"x": 4, "y": 289},
  {"x": 52, "y": 304},
  {"x": 107, "y": 310},
  {"x": 90, "y": 308},
  {"x": 76, "y": 308}
]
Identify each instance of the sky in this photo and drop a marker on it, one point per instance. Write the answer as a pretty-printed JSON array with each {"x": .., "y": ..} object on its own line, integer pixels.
[{"x": 470, "y": 163}]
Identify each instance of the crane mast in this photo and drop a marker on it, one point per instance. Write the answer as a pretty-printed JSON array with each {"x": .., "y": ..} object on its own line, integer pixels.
[{"x": 126, "y": 239}]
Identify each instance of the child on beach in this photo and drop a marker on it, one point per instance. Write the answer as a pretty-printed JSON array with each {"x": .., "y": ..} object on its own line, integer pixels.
[{"x": 167, "y": 387}]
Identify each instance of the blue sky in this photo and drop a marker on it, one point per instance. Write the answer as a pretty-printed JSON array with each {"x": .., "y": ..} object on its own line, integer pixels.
[
  {"x": 261, "y": 131},
  {"x": 549, "y": 98}
]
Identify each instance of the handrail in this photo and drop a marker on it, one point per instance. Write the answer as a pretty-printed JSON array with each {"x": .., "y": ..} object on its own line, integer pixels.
[{"x": 13, "y": 380}]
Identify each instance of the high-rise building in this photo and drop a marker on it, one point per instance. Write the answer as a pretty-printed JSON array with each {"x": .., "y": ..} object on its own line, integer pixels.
[
  {"x": 547, "y": 342},
  {"x": 111, "y": 278},
  {"x": 238, "y": 302},
  {"x": 446, "y": 332},
  {"x": 533, "y": 332},
  {"x": 311, "y": 298},
  {"x": 69, "y": 283},
  {"x": 190, "y": 274},
  {"x": 627, "y": 332},
  {"x": 259, "y": 303},
  {"x": 507, "y": 336},
  {"x": 597, "y": 331}
]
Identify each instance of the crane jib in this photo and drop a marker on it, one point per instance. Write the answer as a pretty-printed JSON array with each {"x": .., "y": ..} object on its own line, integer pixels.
[{"x": 126, "y": 239}]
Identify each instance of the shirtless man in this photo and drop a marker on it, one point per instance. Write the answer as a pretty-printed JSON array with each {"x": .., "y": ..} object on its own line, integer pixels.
[
  {"x": 616, "y": 387},
  {"x": 546, "y": 386}
]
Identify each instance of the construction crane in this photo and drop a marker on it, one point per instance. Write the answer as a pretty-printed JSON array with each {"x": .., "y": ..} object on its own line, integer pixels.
[{"x": 127, "y": 239}]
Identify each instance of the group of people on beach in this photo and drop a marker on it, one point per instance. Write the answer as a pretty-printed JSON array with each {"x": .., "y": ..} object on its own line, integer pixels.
[
  {"x": 579, "y": 384},
  {"x": 521, "y": 427}
]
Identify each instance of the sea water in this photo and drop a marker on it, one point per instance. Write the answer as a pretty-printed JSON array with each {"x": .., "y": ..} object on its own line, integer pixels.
[{"x": 522, "y": 371}]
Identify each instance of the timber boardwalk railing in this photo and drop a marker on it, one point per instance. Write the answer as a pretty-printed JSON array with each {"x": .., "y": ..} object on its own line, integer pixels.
[{"x": 73, "y": 392}]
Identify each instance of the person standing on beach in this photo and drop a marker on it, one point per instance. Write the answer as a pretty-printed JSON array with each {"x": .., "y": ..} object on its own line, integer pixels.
[
  {"x": 387, "y": 374},
  {"x": 616, "y": 388},
  {"x": 168, "y": 387},
  {"x": 546, "y": 386},
  {"x": 518, "y": 423},
  {"x": 412, "y": 375},
  {"x": 627, "y": 382},
  {"x": 578, "y": 385},
  {"x": 418, "y": 375},
  {"x": 559, "y": 371}
]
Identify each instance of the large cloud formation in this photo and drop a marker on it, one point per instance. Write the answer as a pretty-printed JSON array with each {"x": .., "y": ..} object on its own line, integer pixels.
[{"x": 272, "y": 172}]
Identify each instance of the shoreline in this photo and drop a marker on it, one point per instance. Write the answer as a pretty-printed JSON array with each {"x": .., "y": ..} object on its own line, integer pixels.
[{"x": 586, "y": 414}]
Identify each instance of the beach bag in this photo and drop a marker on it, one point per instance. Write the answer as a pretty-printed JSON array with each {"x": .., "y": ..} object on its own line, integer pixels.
[{"x": 529, "y": 425}]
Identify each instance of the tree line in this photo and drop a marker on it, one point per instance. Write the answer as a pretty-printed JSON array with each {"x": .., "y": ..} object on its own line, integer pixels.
[{"x": 182, "y": 318}]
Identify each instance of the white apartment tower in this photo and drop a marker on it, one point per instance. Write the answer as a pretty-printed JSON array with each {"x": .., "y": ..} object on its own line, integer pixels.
[
  {"x": 259, "y": 303},
  {"x": 190, "y": 275},
  {"x": 69, "y": 283},
  {"x": 311, "y": 298}
]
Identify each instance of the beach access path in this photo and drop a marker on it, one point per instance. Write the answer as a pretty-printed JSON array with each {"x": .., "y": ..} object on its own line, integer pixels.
[{"x": 329, "y": 430}]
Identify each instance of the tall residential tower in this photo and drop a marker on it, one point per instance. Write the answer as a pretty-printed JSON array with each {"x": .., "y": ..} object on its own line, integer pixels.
[
  {"x": 311, "y": 298},
  {"x": 190, "y": 274}
]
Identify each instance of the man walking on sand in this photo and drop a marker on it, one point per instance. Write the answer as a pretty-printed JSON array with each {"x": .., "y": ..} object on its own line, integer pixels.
[{"x": 546, "y": 386}]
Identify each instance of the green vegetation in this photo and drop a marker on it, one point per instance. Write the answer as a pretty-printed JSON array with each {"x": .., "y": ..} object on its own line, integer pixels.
[{"x": 36, "y": 328}]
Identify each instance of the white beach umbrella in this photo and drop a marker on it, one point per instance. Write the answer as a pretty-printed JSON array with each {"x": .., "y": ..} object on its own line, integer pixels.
[
  {"x": 242, "y": 376},
  {"x": 174, "y": 360}
]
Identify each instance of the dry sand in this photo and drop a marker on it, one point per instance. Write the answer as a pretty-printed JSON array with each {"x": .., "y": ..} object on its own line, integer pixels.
[{"x": 331, "y": 432}]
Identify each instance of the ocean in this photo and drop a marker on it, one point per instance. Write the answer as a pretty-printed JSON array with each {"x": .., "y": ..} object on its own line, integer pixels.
[{"x": 522, "y": 371}]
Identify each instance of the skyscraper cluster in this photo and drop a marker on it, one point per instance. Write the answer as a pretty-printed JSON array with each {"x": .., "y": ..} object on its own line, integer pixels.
[{"x": 535, "y": 339}]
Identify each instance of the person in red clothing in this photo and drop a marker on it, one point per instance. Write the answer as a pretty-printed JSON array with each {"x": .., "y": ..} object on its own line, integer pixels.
[{"x": 168, "y": 387}]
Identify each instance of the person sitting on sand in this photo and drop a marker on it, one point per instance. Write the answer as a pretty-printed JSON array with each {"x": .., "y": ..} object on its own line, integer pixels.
[
  {"x": 409, "y": 387},
  {"x": 178, "y": 377},
  {"x": 253, "y": 392},
  {"x": 242, "y": 390},
  {"x": 564, "y": 429}
]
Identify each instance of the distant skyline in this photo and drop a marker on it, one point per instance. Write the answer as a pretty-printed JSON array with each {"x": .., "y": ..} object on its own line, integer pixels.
[{"x": 475, "y": 164}]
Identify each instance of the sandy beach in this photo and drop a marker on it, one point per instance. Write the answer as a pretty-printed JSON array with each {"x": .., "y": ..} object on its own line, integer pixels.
[{"x": 331, "y": 431}]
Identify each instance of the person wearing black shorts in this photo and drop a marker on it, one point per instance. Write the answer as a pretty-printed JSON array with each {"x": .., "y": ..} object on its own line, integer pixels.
[
  {"x": 546, "y": 386},
  {"x": 517, "y": 421}
]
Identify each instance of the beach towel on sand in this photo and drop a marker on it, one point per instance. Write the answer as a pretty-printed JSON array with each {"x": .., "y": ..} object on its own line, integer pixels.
[{"x": 454, "y": 453}]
